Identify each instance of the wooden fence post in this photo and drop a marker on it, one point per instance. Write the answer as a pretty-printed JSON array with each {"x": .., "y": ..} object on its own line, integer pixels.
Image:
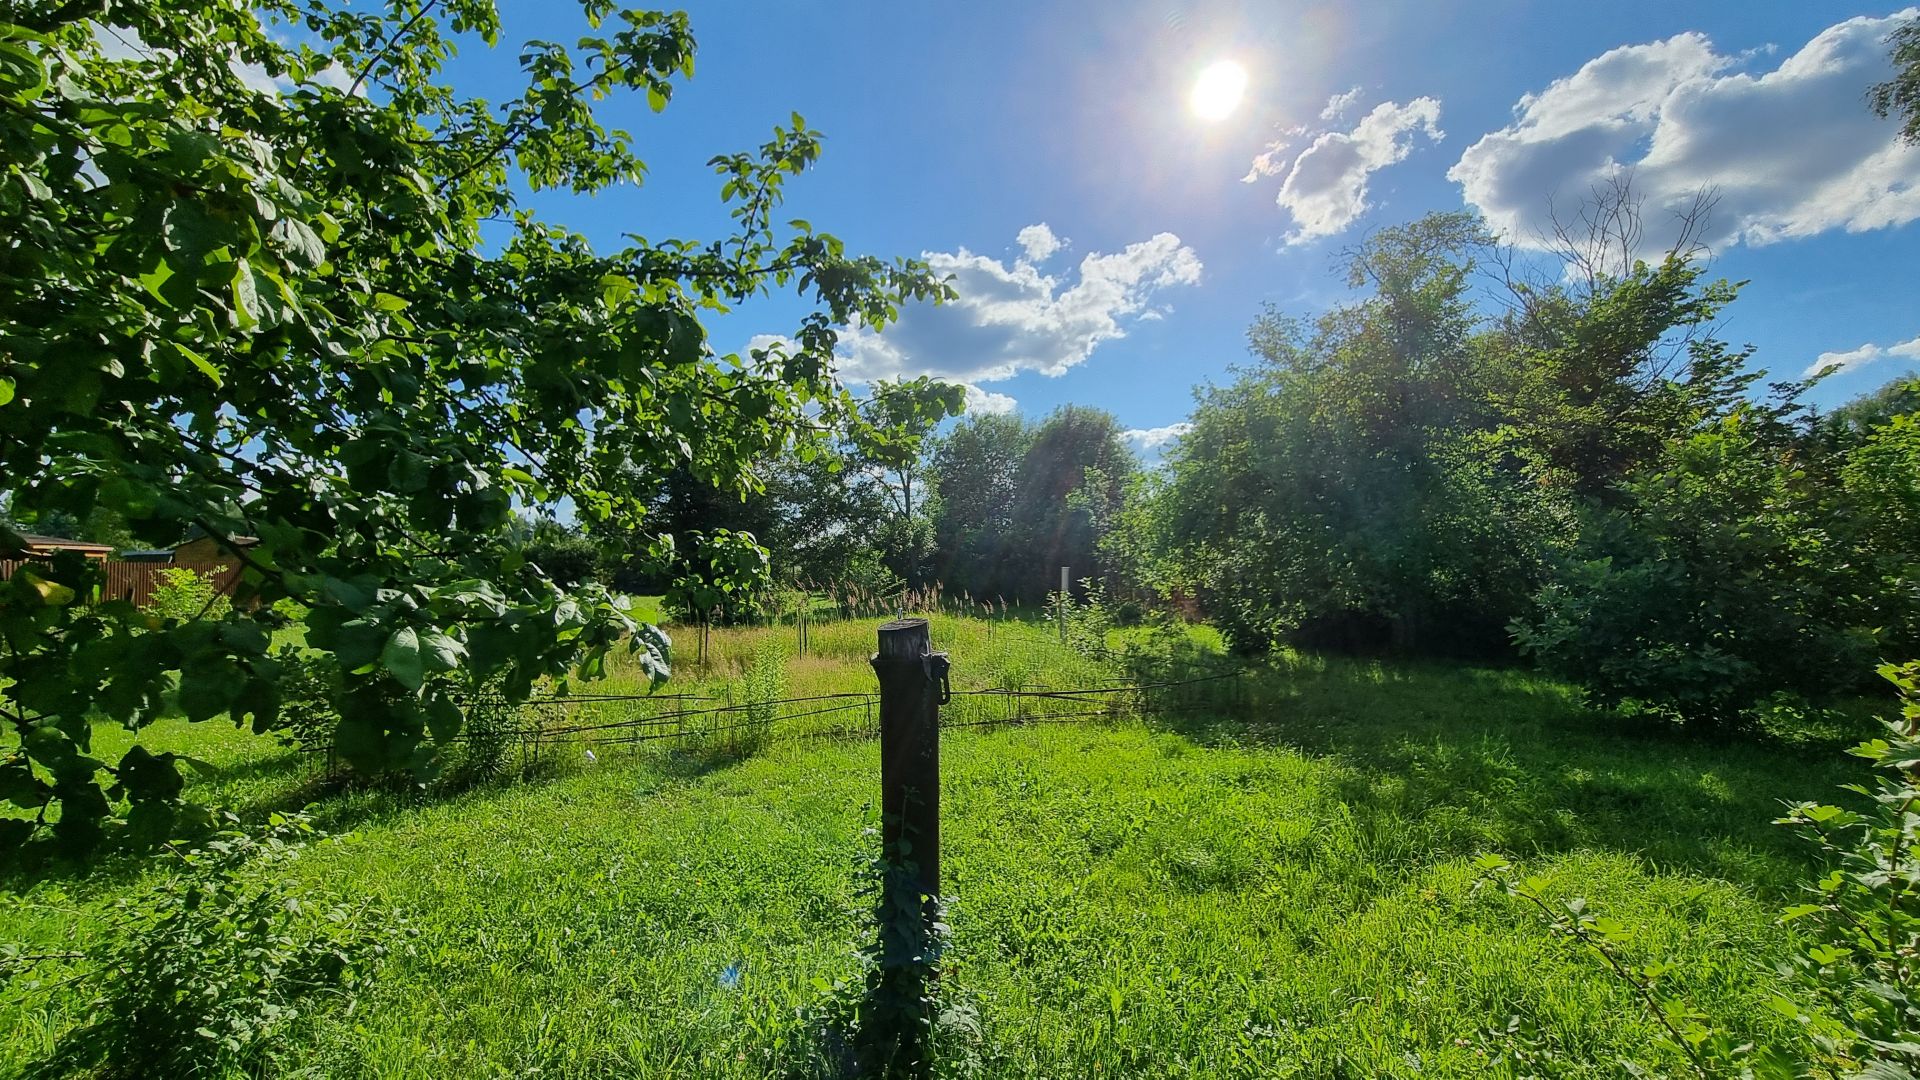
[{"x": 913, "y": 682}]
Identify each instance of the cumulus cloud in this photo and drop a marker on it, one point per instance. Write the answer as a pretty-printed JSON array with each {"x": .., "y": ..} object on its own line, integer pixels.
[
  {"x": 1015, "y": 318},
  {"x": 1326, "y": 188},
  {"x": 1789, "y": 152},
  {"x": 1854, "y": 359},
  {"x": 1038, "y": 242},
  {"x": 1150, "y": 439},
  {"x": 1338, "y": 106},
  {"x": 986, "y": 401}
]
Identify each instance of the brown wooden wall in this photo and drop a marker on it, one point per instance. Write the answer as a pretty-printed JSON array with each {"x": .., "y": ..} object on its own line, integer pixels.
[{"x": 125, "y": 580}]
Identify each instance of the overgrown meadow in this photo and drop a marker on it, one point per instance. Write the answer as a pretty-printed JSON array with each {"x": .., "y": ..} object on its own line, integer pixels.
[{"x": 1279, "y": 885}]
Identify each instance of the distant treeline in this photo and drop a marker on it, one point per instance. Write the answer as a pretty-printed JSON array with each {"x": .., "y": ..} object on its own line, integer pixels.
[{"x": 990, "y": 510}]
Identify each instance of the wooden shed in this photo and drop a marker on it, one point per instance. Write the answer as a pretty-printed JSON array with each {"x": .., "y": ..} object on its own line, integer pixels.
[{"x": 46, "y": 547}]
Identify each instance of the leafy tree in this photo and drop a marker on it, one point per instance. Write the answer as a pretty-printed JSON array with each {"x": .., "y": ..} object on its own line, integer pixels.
[
  {"x": 1877, "y": 518},
  {"x": 1407, "y": 471},
  {"x": 183, "y": 592},
  {"x": 1710, "y": 585},
  {"x": 1754, "y": 555},
  {"x": 1355, "y": 488},
  {"x": 1900, "y": 95},
  {"x": 824, "y": 511},
  {"x": 561, "y": 552},
  {"x": 890, "y": 443},
  {"x": 1068, "y": 489},
  {"x": 1852, "y": 422},
  {"x": 271, "y": 312},
  {"x": 976, "y": 471}
]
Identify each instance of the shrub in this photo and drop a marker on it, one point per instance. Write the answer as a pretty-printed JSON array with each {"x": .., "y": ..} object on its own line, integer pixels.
[
  {"x": 1714, "y": 583},
  {"x": 185, "y": 593},
  {"x": 308, "y": 684},
  {"x": 896, "y": 1018},
  {"x": 1087, "y": 620},
  {"x": 489, "y": 731},
  {"x": 205, "y": 969}
]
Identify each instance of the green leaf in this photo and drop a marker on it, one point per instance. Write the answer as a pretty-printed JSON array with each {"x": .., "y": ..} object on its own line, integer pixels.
[
  {"x": 440, "y": 652},
  {"x": 19, "y": 786},
  {"x": 50, "y": 593},
  {"x": 200, "y": 362},
  {"x": 6, "y": 389},
  {"x": 402, "y": 658},
  {"x": 149, "y": 778},
  {"x": 246, "y": 301}
]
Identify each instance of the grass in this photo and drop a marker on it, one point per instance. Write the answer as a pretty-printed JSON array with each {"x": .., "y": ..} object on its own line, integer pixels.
[{"x": 1200, "y": 894}]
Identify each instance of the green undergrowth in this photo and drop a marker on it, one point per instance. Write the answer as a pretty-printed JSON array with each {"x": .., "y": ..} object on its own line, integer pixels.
[{"x": 1198, "y": 894}]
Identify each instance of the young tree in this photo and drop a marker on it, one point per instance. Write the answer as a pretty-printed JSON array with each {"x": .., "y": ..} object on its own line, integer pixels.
[
  {"x": 271, "y": 312},
  {"x": 890, "y": 444}
]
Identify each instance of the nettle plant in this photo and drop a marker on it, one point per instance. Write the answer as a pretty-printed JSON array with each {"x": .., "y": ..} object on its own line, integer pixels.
[
  {"x": 247, "y": 290},
  {"x": 215, "y": 960},
  {"x": 1851, "y": 989}
]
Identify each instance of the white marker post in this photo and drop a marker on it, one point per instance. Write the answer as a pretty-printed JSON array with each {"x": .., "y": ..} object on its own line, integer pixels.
[{"x": 1063, "y": 604}]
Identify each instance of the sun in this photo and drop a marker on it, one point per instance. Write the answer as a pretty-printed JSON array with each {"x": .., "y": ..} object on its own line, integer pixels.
[{"x": 1216, "y": 93}]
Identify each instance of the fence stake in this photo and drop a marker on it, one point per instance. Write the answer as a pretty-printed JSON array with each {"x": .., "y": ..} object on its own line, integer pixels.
[
  {"x": 1063, "y": 604},
  {"x": 913, "y": 679}
]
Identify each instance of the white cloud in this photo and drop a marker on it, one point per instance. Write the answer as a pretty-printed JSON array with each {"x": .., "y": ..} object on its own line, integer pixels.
[
  {"x": 1274, "y": 159},
  {"x": 1154, "y": 438},
  {"x": 1339, "y": 104},
  {"x": 1854, "y": 359},
  {"x": 118, "y": 44},
  {"x": 1038, "y": 242},
  {"x": 1014, "y": 318},
  {"x": 1790, "y": 152},
  {"x": 1327, "y": 187},
  {"x": 986, "y": 401}
]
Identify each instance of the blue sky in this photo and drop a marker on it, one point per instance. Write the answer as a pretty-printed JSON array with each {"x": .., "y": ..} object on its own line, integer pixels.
[{"x": 950, "y": 129}]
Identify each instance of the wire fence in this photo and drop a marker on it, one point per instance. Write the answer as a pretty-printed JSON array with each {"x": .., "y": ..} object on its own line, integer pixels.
[{"x": 555, "y": 723}]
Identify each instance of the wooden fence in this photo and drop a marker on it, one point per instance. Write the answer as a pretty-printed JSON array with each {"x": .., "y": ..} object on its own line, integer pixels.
[{"x": 134, "y": 581}]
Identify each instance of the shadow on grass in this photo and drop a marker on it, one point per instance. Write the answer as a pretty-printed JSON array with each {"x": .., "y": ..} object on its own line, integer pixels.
[
  {"x": 1448, "y": 761},
  {"x": 336, "y": 801}
]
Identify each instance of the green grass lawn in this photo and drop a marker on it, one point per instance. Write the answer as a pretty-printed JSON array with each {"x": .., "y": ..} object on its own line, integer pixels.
[{"x": 1192, "y": 895}]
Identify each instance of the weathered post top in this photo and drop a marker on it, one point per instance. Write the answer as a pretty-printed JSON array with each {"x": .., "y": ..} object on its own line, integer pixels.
[{"x": 904, "y": 639}]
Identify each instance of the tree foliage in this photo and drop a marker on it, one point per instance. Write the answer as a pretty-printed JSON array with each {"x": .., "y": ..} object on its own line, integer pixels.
[
  {"x": 314, "y": 314},
  {"x": 1018, "y": 501},
  {"x": 1900, "y": 96},
  {"x": 1572, "y": 464}
]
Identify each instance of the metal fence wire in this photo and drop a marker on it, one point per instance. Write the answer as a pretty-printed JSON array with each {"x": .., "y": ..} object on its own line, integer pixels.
[{"x": 588, "y": 721}]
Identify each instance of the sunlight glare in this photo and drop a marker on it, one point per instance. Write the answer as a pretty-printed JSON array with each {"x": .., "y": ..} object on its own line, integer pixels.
[{"x": 1216, "y": 93}]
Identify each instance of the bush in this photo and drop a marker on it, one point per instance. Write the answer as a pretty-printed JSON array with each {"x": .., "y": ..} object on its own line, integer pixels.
[
  {"x": 1087, "y": 620},
  {"x": 489, "y": 731},
  {"x": 1714, "y": 583},
  {"x": 308, "y": 684},
  {"x": 209, "y": 966},
  {"x": 185, "y": 594}
]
